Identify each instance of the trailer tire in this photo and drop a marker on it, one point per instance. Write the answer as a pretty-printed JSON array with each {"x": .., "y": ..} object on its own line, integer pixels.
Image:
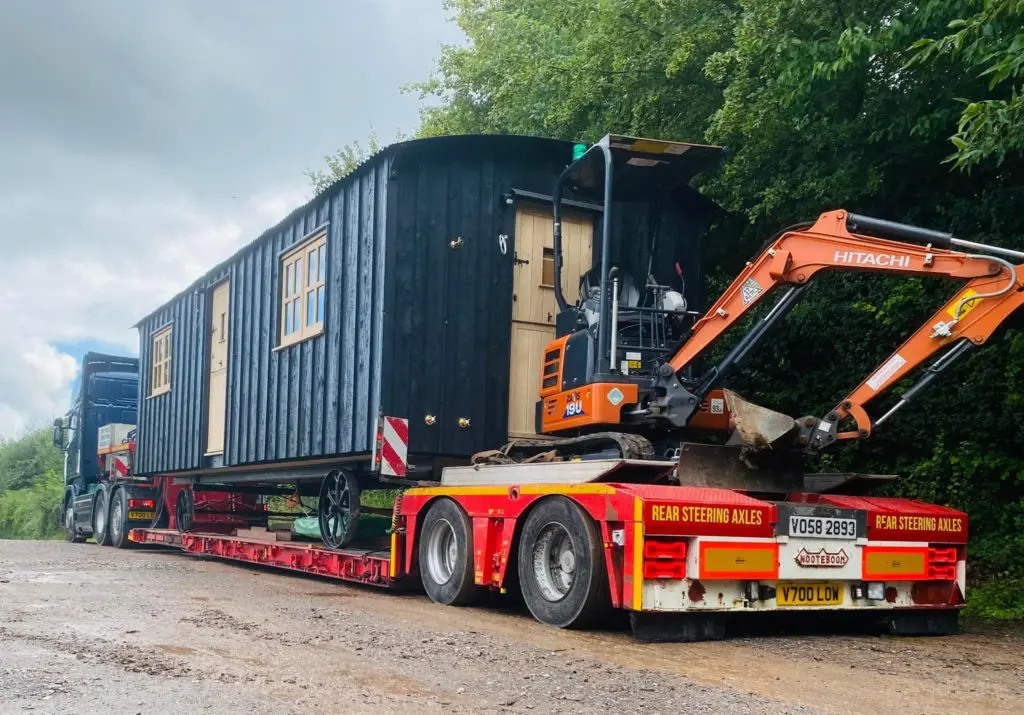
[
  {"x": 118, "y": 520},
  {"x": 446, "y": 555},
  {"x": 561, "y": 566},
  {"x": 101, "y": 518},
  {"x": 71, "y": 534}
]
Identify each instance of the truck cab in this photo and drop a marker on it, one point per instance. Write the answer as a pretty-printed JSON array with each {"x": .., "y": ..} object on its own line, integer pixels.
[{"x": 104, "y": 407}]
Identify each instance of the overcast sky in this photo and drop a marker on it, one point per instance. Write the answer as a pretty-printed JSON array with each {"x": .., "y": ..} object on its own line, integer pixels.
[{"x": 141, "y": 142}]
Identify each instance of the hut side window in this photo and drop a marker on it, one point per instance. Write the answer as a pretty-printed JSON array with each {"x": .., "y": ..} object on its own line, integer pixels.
[
  {"x": 303, "y": 290},
  {"x": 160, "y": 360}
]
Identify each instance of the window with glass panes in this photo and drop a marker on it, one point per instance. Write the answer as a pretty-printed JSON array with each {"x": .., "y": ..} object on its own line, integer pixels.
[
  {"x": 303, "y": 290},
  {"x": 160, "y": 361}
]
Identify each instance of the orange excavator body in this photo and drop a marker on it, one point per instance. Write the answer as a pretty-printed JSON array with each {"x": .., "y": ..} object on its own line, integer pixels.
[{"x": 992, "y": 292}]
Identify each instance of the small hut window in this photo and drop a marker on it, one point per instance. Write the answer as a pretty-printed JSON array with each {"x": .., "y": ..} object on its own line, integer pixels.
[
  {"x": 547, "y": 273},
  {"x": 303, "y": 290},
  {"x": 160, "y": 361}
]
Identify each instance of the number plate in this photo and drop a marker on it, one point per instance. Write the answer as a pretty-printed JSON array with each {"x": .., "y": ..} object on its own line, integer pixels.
[
  {"x": 809, "y": 594},
  {"x": 823, "y": 527},
  {"x": 141, "y": 515}
]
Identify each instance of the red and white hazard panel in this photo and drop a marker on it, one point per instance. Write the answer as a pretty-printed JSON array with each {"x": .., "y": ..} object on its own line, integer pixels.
[{"x": 391, "y": 450}]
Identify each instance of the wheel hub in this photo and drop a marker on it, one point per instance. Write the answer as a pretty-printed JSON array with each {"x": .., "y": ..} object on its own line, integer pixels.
[
  {"x": 554, "y": 562},
  {"x": 442, "y": 552}
]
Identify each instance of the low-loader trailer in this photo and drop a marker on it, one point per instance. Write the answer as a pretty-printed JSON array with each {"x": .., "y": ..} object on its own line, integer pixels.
[{"x": 649, "y": 488}]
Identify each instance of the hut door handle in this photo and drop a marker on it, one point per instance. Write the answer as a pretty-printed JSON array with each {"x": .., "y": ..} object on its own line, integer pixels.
[{"x": 520, "y": 261}]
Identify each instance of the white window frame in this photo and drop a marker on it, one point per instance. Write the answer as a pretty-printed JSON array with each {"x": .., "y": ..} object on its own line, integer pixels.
[
  {"x": 303, "y": 291},
  {"x": 161, "y": 351}
]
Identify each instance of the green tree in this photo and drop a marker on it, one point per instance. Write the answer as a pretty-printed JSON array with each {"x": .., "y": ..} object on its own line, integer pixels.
[
  {"x": 989, "y": 44},
  {"x": 31, "y": 487},
  {"x": 823, "y": 104}
]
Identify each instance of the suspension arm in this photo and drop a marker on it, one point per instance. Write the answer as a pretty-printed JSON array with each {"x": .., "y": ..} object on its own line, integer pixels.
[
  {"x": 796, "y": 256},
  {"x": 968, "y": 319}
]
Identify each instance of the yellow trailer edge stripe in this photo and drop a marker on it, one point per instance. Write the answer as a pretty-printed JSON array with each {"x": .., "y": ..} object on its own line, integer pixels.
[
  {"x": 638, "y": 553},
  {"x": 503, "y": 491}
]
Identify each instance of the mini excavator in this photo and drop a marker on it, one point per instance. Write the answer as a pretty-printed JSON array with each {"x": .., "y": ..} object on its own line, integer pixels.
[{"x": 620, "y": 379}]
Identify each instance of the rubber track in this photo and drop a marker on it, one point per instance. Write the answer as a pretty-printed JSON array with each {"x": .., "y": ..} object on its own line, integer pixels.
[{"x": 630, "y": 446}]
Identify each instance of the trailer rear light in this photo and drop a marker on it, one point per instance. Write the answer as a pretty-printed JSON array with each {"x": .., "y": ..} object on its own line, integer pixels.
[
  {"x": 876, "y": 591},
  {"x": 942, "y": 564},
  {"x": 857, "y": 591},
  {"x": 140, "y": 504},
  {"x": 664, "y": 559}
]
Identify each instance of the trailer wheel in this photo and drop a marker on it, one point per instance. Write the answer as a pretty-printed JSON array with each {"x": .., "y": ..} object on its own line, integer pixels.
[
  {"x": 446, "y": 555},
  {"x": 338, "y": 509},
  {"x": 185, "y": 511},
  {"x": 561, "y": 566},
  {"x": 117, "y": 524},
  {"x": 71, "y": 534},
  {"x": 100, "y": 520}
]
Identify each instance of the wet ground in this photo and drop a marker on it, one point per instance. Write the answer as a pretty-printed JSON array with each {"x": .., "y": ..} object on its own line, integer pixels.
[{"x": 85, "y": 628}]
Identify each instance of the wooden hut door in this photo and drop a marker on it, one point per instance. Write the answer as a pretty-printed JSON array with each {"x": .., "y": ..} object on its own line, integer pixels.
[
  {"x": 218, "y": 384},
  {"x": 533, "y": 301}
]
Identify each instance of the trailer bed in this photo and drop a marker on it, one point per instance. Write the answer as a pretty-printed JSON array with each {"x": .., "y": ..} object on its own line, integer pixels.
[{"x": 364, "y": 566}]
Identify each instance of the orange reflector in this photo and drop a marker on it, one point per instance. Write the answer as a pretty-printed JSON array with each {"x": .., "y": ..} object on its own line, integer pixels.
[
  {"x": 891, "y": 562},
  {"x": 734, "y": 559}
]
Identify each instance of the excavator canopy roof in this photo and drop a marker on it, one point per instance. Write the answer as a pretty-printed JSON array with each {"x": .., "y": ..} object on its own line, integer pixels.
[{"x": 642, "y": 166}]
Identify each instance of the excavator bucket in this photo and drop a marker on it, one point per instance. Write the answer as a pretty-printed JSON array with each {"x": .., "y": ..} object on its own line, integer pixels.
[{"x": 756, "y": 426}]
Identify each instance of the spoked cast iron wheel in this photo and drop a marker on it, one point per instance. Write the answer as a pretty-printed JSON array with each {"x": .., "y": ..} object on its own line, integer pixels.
[
  {"x": 561, "y": 566},
  {"x": 338, "y": 509},
  {"x": 446, "y": 555},
  {"x": 100, "y": 522},
  {"x": 185, "y": 511}
]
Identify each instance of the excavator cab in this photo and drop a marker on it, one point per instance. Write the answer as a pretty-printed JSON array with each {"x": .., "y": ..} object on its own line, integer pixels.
[{"x": 626, "y": 322}]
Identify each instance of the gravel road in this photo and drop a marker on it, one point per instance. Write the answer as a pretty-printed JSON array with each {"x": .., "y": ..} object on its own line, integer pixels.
[{"x": 88, "y": 629}]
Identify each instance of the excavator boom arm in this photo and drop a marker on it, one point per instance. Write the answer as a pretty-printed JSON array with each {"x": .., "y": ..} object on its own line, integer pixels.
[
  {"x": 796, "y": 256},
  {"x": 969, "y": 317}
]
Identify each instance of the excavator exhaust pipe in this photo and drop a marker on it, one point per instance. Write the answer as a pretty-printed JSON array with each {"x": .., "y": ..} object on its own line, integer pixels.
[{"x": 757, "y": 427}]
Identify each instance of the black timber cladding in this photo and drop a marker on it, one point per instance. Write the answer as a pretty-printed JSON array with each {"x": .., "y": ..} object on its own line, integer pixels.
[{"x": 413, "y": 327}]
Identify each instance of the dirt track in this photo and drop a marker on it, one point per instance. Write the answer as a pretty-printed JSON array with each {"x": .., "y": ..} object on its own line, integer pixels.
[{"x": 91, "y": 629}]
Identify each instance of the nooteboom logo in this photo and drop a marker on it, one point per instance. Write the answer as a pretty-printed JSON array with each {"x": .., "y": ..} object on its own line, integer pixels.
[{"x": 823, "y": 558}]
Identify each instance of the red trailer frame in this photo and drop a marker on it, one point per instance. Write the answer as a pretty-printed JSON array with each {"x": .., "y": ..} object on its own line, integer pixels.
[{"x": 684, "y": 551}]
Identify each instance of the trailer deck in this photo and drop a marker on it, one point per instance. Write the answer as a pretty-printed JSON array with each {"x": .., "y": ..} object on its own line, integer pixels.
[{"x": 374, "y": 568}]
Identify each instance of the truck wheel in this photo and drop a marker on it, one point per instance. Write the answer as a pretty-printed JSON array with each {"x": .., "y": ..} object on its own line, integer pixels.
[
  {"x": 100, "y": 520},
  {"x": 338, "y": 509},
  {"x": 117, "y": 525},
  {"x": 71, "y": 534},
  {"x": 446, "y": 555},
  {"x": 561, "y": 566}
]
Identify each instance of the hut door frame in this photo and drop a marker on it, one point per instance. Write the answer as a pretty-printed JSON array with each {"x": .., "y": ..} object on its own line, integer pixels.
[
  {"x": 533, "y": 299},
  {"x": 217, "y": 367}
]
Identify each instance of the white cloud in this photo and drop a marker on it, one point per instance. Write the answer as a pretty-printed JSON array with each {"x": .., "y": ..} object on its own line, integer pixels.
[
  {"x": 34, "y": 379},
  {"x": 143, "y": 143},
  {"x": 97, "y": 290}
]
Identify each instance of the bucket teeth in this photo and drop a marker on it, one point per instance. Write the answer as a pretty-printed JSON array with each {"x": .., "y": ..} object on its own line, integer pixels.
[{"x": 755, "y": 426}]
